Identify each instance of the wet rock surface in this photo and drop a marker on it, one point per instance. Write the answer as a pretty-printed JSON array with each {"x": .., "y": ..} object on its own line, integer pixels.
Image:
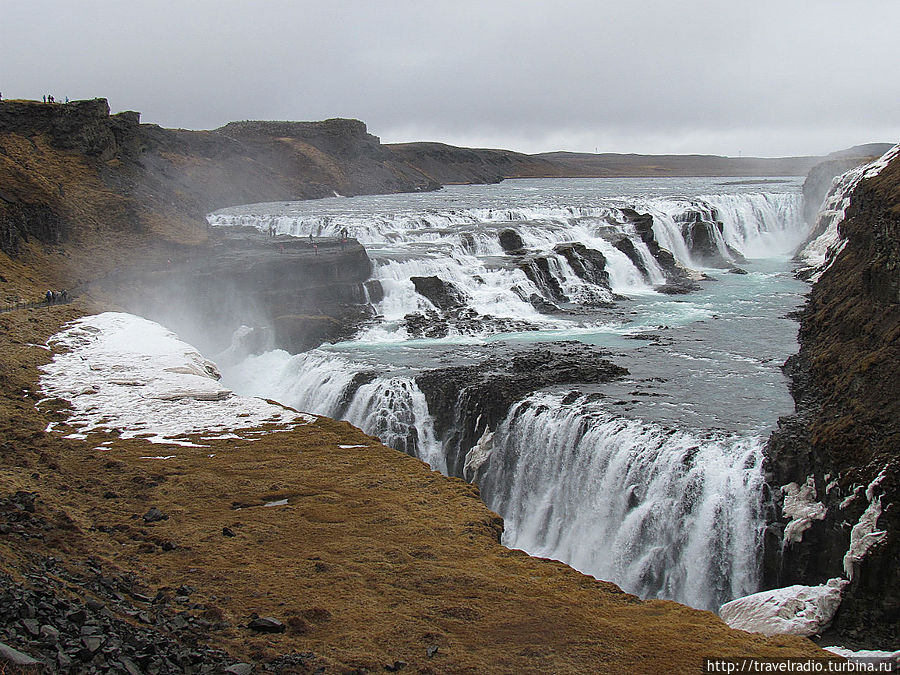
[
  {"x": 442, "y": 294},
  {"x": 459, "y": 396},
  {"x": 463, "y": 321}
]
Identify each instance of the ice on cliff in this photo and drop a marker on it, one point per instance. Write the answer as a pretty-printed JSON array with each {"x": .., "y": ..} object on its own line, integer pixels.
[
  {"x": 797, "y": 610},
  {"x": 126, "y": 374}
]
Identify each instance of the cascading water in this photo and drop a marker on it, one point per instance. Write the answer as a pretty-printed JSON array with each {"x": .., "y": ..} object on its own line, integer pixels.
[
  {"x": 658, "y": 488},
  {"x": 662, "y": 513}
]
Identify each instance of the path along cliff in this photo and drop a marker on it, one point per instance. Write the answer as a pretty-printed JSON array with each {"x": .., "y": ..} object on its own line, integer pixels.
[{"x": 111, "y": 557}]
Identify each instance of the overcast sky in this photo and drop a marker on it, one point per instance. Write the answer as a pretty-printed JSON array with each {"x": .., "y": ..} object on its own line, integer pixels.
[{"x": 751, "y": 77}]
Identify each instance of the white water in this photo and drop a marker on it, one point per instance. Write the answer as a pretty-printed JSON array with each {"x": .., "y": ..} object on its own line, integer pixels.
[
  {"x": 663, "y": 513},
  {"x": 615, "y": 489},
  {"x": 460, "y": 245},
  {"x": 819, "y": 253},
  {"x": 391, "y": 408}
]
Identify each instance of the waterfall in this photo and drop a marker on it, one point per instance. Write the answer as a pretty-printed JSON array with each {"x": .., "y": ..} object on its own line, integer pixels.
[
  {"x": 462, "y": 246},
  {"x": 391, "y": 408},
  {"x": 662, "y": 513}
]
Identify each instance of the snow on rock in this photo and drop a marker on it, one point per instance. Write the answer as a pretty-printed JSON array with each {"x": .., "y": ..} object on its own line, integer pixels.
[
  {"x": 478, "y": 454},
  {"x": 819, "y": 253},
  {"x": 797, "y": 610},
  {"x": 865, "y": 534},
  {"x": 801, "y": 507},
  {"x": 123, "y": 373}
]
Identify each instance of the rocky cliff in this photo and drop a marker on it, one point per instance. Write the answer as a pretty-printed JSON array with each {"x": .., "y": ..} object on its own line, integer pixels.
[{"x": 838, "y": 455}]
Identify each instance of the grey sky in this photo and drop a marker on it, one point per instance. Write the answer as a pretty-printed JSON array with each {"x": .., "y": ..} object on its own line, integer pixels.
[{"x": 760, "y": 77}]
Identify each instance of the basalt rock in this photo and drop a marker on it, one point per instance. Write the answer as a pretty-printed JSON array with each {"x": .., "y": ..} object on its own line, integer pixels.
[
  {"x": 511, "y": 241},
  {"x": 587, "y": 263},
  {"x": 80, "y": 126},
  {"x": 305, "y": 295},
  {"x": 464, "y": 321},
  {"x": 465, "y": 400},
  {"x": 678, "y": 278},
  {"x": 537, "y": 269},
  {"x": 844, "y": 437},
  {"x": 442, "y": 294}
]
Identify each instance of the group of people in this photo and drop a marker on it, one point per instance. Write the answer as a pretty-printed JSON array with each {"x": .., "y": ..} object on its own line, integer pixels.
[
  {"x": 48, "y": 98},
  {"x": 52, "y": 297}
]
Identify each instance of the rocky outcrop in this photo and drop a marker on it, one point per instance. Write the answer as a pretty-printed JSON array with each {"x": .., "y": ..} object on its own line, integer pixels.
[
  {"x": 442, "y": 294},
  {"x": 300, "y": 294},
  {"x": 679, "y": 280},
  {"x": 588, "y": 264},
  {"x": 84, "y": 127},
  {"x": 467, "y": 400},
  {"x": 839, "y": 451},
  {"x": 511, "y": 241}
]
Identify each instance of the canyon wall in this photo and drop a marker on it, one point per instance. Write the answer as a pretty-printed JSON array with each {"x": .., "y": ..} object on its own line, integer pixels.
[{"x": 840, "y": 449}]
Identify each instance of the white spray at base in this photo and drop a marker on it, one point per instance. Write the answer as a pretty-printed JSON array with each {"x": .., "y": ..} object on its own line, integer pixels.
[{"x": 660, "y": 512}]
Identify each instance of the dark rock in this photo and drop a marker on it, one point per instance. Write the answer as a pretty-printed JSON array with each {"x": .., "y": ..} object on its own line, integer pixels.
[
  {"x": 537, "y": 269},
  {"x": 32, "y": 626},
  {"x": 511, "y": 241},
  {"x": 396, "y": 666},
  {"x": 542, "y": 305},
  {"x": 675, "y": 289},
  {"x": 266, "y": 624},
  {"x": 15, "y": 657},
  {"x": 49, "y": 634},
  {"x": 92, "y": 643},
  {"x": 129, "y": 666},
  {"x": 737, "y": 270},
  {"x": 458, "y": 396},
  {"x": 228, "y": 532},
  {"x": 76, "y": 616},
  {"x": 154, "y": 515},
  {"x": 442, "y": 294},
  {"x": 587, "y": 263}
]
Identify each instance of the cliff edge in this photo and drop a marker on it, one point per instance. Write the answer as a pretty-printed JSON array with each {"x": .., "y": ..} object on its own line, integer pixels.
[{"x": 841, "y": 448}]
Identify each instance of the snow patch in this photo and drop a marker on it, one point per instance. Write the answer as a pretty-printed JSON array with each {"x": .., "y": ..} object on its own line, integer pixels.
[
  {"x": 870, "y": 655},
  {"x": 863, "y": 536},
  {"x": 797, "y": 610},
  {"x": 123, "y": 373},
  {"x": 822, "y": 251},
  {"x": 801, "y": 507},
  {"x": 478, "y": 454}
]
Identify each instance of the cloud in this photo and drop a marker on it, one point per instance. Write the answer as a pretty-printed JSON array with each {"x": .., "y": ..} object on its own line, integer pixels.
[{"x": 767, "y": 78}]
